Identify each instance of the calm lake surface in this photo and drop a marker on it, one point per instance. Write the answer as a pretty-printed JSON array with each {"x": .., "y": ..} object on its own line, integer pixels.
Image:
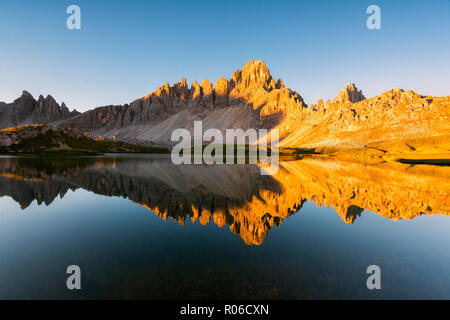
[{"x": 141, "y": 227}]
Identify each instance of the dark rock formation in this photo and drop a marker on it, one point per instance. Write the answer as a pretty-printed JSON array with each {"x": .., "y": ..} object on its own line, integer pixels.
[{"x": 26, "y": 110}]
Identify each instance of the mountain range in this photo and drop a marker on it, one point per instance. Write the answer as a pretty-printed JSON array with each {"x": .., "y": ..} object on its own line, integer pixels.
[{"x": 394, "y": 122}]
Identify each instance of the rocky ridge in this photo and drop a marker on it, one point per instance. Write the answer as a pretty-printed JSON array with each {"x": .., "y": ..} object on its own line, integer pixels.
[
  {"x": 395, "y": 119},
  {"x": 252, "y": 98},
  {"x": 26, "y": 110}
]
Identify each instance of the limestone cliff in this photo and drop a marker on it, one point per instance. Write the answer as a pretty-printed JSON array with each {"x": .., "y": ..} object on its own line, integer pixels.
[{"x": 349, "y": 94}]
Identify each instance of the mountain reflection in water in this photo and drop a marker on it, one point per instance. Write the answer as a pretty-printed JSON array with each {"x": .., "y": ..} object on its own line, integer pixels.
[{"x": 235, "y": 195}]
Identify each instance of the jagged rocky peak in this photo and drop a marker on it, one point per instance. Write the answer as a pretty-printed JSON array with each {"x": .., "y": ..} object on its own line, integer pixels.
[
  {"x": 49, "y": 110},
  {"x": 251, "y": 88},
  {"x": 65, "y": 109},
  {"x": 280, "y": 84},
  {"x": 349, "y": 93},
  {"x": 26, "y": 94},
  {"x": 400, "y": 93},
  {"x": 25, "y": 98},
  {"x": 221, "y": 91},
  {"x": 51, "y": 101},
  {"x": 207, "y": 87},
  {"x": 254, "y": 74},
  {"x": 181, "y": 83},
  {"x": 27, "y": 110},
  {"x": 208, "y": 93},
  {"x": 195, "y": 97}
]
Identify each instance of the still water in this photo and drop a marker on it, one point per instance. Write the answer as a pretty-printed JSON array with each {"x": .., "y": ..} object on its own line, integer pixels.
[{"x": 141, "y": 227}]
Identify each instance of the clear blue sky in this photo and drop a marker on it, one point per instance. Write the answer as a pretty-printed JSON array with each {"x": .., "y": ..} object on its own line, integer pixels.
[{"x": 126, "y": 49}]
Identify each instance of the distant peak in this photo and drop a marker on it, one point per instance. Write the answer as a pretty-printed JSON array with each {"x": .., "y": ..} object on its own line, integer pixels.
[
  {"x": 257, "y": 67},
  {"x": 26, "y": 94},
  {"x": 50, "y": 98},
  {"x": 350, "y": 86},
  {"x": 397, "y": 89},
  {"x": 26, "y": 97},
  {"x": 259, "y": 64},
  {"x": 350, "y": 93},
  {"x": 207, "y": 85},
  {"x": 254, "y": 74},
  {"x": 280, "y": 84},
  {"x": 253, "y": 77}
]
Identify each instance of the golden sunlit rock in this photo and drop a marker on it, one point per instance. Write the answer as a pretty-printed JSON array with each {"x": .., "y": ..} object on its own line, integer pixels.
[{"x": 396, "y": 124}]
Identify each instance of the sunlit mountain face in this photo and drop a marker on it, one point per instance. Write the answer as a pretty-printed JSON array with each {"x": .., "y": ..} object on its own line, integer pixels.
[{"x": 142, "y": 227}]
